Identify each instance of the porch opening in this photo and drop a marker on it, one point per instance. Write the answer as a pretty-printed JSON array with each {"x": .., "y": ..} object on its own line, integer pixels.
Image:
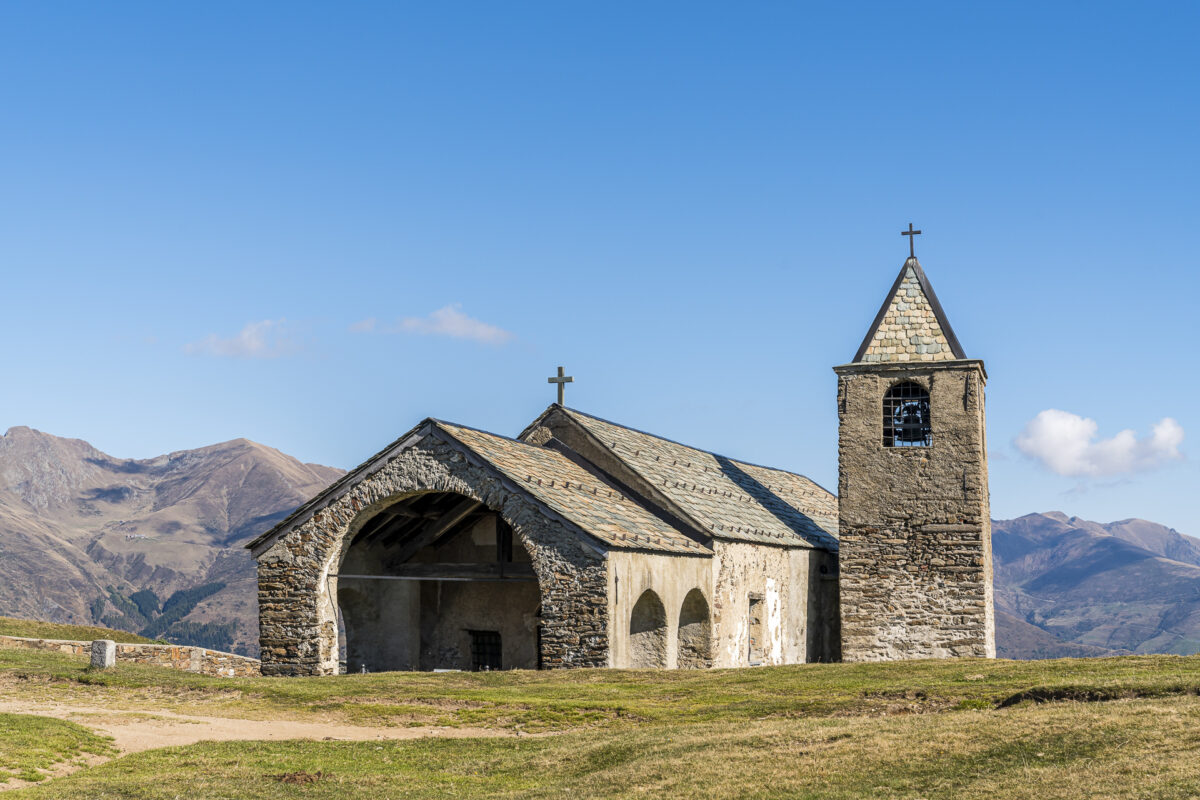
[{"x": 438, "y": 581}]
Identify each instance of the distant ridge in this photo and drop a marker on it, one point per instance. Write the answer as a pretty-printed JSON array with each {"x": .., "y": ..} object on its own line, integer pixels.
[
  {"x": 1127, "y": 586},
  {"x": 82, "y": 532}
]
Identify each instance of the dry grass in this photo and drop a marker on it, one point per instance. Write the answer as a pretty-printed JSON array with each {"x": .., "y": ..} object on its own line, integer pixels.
[
  {"x": 1066, "y": 751},
  {"x": 1119, "y": 728},
  {"x": 564, "y": 700}
]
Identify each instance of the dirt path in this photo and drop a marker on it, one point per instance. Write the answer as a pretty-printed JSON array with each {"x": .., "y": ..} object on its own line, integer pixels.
[{"x": 134, "y": 730}]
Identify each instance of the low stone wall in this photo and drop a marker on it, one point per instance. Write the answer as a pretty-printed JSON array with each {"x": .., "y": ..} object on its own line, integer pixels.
[
  {"x": 182, "y": 657},
  {"x": 52, "y": 645}
]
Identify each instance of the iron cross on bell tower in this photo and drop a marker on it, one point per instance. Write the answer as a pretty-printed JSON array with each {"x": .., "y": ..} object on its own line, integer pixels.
[
  {"x": 910, "y": 233},
  {"x": 561, "y": 380}
]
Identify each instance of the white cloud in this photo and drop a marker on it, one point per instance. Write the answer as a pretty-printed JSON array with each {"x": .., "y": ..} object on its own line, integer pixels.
[
  {"x": 1066, "y": 443},
  {"x": 447, "y": 321},
  {"x": 269, "y": 338}
]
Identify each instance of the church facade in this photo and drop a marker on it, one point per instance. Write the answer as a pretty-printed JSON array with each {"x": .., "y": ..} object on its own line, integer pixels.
[{"x": 584, "y": 543}]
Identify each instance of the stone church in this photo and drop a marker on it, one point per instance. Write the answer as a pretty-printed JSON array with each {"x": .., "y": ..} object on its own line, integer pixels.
[{"x": 585, "y": 543}]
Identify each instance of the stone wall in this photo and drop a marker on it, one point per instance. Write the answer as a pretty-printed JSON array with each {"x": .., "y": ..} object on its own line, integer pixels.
[
  {"x": 671, "y": 578},
  {"x": 796, "y": 603},
  {"x": 915, "y": 550},
  {"x": 69, "y": 647},
  {"x": 296, "y": 593},
  {"x": 182, "y": 657}
]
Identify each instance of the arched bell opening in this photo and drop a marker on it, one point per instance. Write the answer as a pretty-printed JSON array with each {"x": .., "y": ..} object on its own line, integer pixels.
[{"x": 437, "y": 581}]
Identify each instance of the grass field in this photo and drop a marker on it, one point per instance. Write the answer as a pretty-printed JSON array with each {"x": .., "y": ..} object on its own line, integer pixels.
[
  {"x": 32, "y": 629},
  {"x": 1121, "y": 727},
  {"x": 31, "y": 745}
]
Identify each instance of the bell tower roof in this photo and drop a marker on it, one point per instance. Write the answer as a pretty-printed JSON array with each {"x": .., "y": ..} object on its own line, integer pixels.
[{"x": 911, "y": 325}]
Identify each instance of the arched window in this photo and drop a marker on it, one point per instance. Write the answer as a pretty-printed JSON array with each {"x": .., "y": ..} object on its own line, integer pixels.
[
  {"x": 648, "y": 633},
  {"x": 695, "y": 632},
  {"x": 906, "y": 416}
]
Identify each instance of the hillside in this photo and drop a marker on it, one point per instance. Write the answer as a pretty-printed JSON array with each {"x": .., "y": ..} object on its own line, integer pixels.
[
  {"x": 34, "y": 629},
  {"x": 82, "y": 533},
  {"x": 1128, "y": 586}
]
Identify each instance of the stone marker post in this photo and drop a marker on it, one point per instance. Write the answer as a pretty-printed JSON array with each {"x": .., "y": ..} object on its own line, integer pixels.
[{"x": 104, "y": 653}]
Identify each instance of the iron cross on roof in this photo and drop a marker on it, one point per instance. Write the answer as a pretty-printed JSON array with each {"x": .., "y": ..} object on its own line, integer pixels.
[
  {"x": 910, "y": 233},
  {"x": 560, "y": 380}
]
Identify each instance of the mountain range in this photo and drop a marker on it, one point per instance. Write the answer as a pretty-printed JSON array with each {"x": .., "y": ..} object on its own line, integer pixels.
[
  {"x": 1067, "y": 586},
  {"x": 155, "y": 546}
]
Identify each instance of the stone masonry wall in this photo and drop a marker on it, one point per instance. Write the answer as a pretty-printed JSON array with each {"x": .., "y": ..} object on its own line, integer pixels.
[
  {"x": 910, "y": 330},
  {"x": 297, "y": 613},
  {"x": 67, "y": 646},
  {"x": 182, "y": 657},
  {"x": 915, "y": 531}
]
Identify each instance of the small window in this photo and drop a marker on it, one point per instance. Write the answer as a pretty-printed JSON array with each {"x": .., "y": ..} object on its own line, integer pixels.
[
  {"x": 906, "y": 416},
  {"x": 485, "y": 650}
]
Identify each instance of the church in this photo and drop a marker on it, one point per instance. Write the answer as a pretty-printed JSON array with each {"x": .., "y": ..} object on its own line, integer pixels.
[{"x": 586, "y": 543}]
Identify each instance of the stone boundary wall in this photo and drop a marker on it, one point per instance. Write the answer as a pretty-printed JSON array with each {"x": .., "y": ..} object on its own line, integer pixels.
[{"x": 182, "y": 657}]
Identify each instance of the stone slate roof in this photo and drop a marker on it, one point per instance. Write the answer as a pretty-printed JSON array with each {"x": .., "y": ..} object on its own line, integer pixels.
[
  {"x": 719, "y": 497},
  {"x": 573, "y": 492},
  {"x": 726, "y": 499},
  {"x": 911, "y": 325}
]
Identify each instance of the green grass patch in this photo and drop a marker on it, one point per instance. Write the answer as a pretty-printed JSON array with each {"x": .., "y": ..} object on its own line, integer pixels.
[
  {"x": 30, "y": 745},
  {"x": 567, "y": 699},
  {"x": 1068, "y": 751},
  {"x": 32, "y": 629}
]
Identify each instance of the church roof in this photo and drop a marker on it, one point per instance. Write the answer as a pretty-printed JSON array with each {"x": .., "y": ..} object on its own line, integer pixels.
[
  {"x": 597, "y": 507},
  {"x": 722, "y": 497},
  {"x": 683, "y": 497},
  {"x": 911, "y": 325},
  {"x": 562, "y": 487}
]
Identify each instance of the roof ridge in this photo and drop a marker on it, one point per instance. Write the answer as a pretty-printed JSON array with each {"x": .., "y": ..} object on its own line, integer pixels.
[
  {"x": 509, "y": 439},
  {"x": 691, "y": 447}
]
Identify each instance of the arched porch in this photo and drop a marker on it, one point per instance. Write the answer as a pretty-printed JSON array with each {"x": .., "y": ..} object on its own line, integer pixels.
[{"x": 436, "y": 580}]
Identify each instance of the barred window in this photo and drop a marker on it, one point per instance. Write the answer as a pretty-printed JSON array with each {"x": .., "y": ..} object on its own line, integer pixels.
[
  {"x": 906, "y": 416},
  {"x": 485, "y": 650}
]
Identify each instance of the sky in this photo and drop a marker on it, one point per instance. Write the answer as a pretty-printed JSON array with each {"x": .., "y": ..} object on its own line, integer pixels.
[{"x": 313, "y": 225}]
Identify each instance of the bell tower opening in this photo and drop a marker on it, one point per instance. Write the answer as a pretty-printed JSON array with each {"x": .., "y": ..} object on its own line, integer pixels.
[{"x": 906, "y": 416}]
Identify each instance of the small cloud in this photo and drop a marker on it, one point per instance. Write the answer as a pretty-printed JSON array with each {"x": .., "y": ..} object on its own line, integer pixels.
[
  {"x": 447, "y": 321},
  {"x": 269, "y": 338},
  {"x": 1066, "y": 444}
]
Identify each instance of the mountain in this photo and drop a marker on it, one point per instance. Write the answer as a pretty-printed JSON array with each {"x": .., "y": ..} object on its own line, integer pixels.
[
  {"x": 1128, "y": 586},
  {"x": 150, "y": 545}
]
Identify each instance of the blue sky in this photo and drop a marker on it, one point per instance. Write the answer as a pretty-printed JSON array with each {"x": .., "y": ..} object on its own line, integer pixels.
[{"x": 313, "y": 225}]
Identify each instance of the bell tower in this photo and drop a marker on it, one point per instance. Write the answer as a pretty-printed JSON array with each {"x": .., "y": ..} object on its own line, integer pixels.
[{"x": 915, "y": 552}]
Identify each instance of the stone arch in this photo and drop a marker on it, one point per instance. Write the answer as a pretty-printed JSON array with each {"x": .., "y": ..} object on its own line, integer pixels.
[
  {"x": 437, "y": 581},
  {"x": 695, "y": 632},
  {"x": 648, "y": 632},
  {"x": 297, "y": 569}
]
